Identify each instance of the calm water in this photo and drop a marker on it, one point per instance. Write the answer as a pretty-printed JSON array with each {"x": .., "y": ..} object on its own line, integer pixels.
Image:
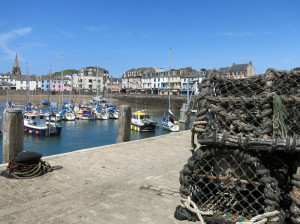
[{"x": 82, "y": 134}]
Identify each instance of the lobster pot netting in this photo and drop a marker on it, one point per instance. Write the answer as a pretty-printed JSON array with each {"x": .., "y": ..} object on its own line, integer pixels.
[
  {"x": 260, "y": 112},
  {"x": 228, "y": 186}
]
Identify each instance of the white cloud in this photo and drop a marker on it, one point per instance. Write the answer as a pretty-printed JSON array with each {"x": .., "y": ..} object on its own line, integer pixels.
[{"x": 6, "y": 37}]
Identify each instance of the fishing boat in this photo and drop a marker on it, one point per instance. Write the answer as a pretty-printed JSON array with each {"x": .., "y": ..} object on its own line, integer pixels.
[
  {"x": 169, "y": 121},
  {"x": 141, "y": 121},
  {"x": 35, "y": 123}
]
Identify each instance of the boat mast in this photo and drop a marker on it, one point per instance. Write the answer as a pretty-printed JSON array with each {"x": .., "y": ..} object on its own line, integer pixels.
[
  {"x": 50, "y": 85},
  {"x": 97, "y": 87},
  {"x": 169, "y": 95},
  {"x": 27, "y": 86},
  {"x": 62, "y": 74}
]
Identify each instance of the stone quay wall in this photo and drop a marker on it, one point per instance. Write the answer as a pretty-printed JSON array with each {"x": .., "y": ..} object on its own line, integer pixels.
[{"x": 152, "y": 100}]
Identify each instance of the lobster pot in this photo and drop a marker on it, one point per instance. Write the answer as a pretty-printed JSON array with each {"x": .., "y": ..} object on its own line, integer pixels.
[{"x": 230, "y": 185}]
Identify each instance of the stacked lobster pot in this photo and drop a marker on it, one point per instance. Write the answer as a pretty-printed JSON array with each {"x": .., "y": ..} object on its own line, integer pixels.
[{"x": 247, "y": 167}]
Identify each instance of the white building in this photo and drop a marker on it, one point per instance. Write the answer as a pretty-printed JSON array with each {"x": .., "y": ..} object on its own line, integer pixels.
[
  {"x": 31, "y": 82},
  {"x": 87, "y": 83},
  {"x": 191, "y": 82}
]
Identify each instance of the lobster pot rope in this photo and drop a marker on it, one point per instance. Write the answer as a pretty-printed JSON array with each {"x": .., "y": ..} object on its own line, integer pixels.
[{"x": 227, "y": 186}]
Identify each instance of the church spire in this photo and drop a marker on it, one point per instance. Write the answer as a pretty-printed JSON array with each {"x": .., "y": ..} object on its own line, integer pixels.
[{"x": 16, "y": 71}]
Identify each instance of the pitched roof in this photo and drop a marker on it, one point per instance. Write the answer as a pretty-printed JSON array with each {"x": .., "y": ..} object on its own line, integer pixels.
[
  {"x": 238, "y": 67},
  {"x": 224, "y": 70},
  {"x": 193, "y": 74}
]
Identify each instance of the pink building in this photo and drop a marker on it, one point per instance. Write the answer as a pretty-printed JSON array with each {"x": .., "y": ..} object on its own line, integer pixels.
[{"x": 57, "y": 85}]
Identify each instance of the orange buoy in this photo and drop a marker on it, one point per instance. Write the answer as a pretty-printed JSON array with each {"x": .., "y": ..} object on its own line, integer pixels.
[{"x": 37, "y": 132}]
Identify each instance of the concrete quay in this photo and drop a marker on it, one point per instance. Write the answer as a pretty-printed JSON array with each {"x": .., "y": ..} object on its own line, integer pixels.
[{"x": 130, "y": 182}]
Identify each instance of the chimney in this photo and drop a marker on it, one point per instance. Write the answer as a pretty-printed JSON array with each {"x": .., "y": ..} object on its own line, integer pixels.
[{"x": 250, "y": 62}]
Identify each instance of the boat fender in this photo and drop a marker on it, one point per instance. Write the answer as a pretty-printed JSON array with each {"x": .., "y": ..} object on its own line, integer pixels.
[
  {"x": 25, "y": 130},
  {"x": 30, "y": 131},
  {"x": 37, "y": 132}
]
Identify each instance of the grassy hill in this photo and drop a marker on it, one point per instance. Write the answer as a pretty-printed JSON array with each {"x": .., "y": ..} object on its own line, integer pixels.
[{"x": 66, "y": 72}]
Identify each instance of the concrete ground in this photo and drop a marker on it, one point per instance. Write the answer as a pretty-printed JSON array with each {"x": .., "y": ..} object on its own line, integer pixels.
[{"x": 132, "y": 182}]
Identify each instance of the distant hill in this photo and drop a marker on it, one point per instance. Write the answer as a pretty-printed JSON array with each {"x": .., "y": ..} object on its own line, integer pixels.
[{"x": 66, "y": 72}]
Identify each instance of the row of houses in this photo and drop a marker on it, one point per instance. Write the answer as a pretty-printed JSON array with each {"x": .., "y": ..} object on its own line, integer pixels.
[
  {"x": 134, "y": 81},
  {"x": 179, "y": 81},
  {"x": 156, "y": 81}
]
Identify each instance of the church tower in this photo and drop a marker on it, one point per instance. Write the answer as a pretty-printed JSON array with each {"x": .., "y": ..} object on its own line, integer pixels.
[{"x": 16, "y": 71}]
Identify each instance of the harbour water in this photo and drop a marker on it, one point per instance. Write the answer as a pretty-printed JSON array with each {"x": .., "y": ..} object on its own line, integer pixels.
[{"x": 82, "y": 134}]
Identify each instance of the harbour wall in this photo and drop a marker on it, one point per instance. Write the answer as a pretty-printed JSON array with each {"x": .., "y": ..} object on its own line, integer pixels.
[{"x": 157, "y": 100}]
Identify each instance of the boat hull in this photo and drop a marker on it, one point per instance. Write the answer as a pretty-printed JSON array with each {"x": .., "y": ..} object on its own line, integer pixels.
[
  {"x": 42, "y": 131},
  {"x": 170, "y": 127},
  {"x": 136, "y": 127}
]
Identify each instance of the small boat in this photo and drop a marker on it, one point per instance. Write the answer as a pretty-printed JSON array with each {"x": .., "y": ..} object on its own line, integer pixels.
[
  {"x": 170, "y": 122},
  {"x": 53, "y": 115},
  {"x": 46, "y": 102},
  {"x": 10, "y": 104},
  {"x": 141, "y": 121},
  {"x": 101, "y": 113},
  {"x": 87, "y": 115},
  {"x": 35, "y": 123},
  {"x": 112, "y": 111},
  {"x": 68, "y": 113}
]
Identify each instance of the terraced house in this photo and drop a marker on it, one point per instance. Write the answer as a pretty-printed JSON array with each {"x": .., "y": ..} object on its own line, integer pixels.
[
  {"x": 132, "y": 80},
  {"x": 153, "y": 81},
  {"x": 239, "y": 71}
]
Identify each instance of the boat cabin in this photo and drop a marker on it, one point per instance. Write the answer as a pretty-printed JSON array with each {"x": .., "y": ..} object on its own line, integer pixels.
[
  {"x": 35, "y": 119},
  {"x": 140, "y": 115}
]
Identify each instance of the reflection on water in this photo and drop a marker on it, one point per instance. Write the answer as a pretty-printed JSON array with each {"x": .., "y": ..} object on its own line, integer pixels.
[{"x": 82, "y": 134}]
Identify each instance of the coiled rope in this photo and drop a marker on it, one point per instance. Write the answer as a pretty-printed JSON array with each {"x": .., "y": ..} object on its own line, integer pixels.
[
  {"x": 259, "y": 219},
  {"x": 191, "y": 206}
]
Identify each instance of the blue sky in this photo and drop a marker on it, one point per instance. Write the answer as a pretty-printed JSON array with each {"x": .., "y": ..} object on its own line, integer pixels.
[{"x": 139, "y": 33}]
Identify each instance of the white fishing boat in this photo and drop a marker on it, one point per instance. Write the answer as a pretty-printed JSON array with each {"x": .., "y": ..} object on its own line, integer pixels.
[
  {"x": 169, "y": 121},
  {"x": 35, "y": 123},
  {"x": 141, "y": 121}
]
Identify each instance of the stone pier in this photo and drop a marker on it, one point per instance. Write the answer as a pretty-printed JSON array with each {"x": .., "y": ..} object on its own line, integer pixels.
[{"x": 130, "y": 182}]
